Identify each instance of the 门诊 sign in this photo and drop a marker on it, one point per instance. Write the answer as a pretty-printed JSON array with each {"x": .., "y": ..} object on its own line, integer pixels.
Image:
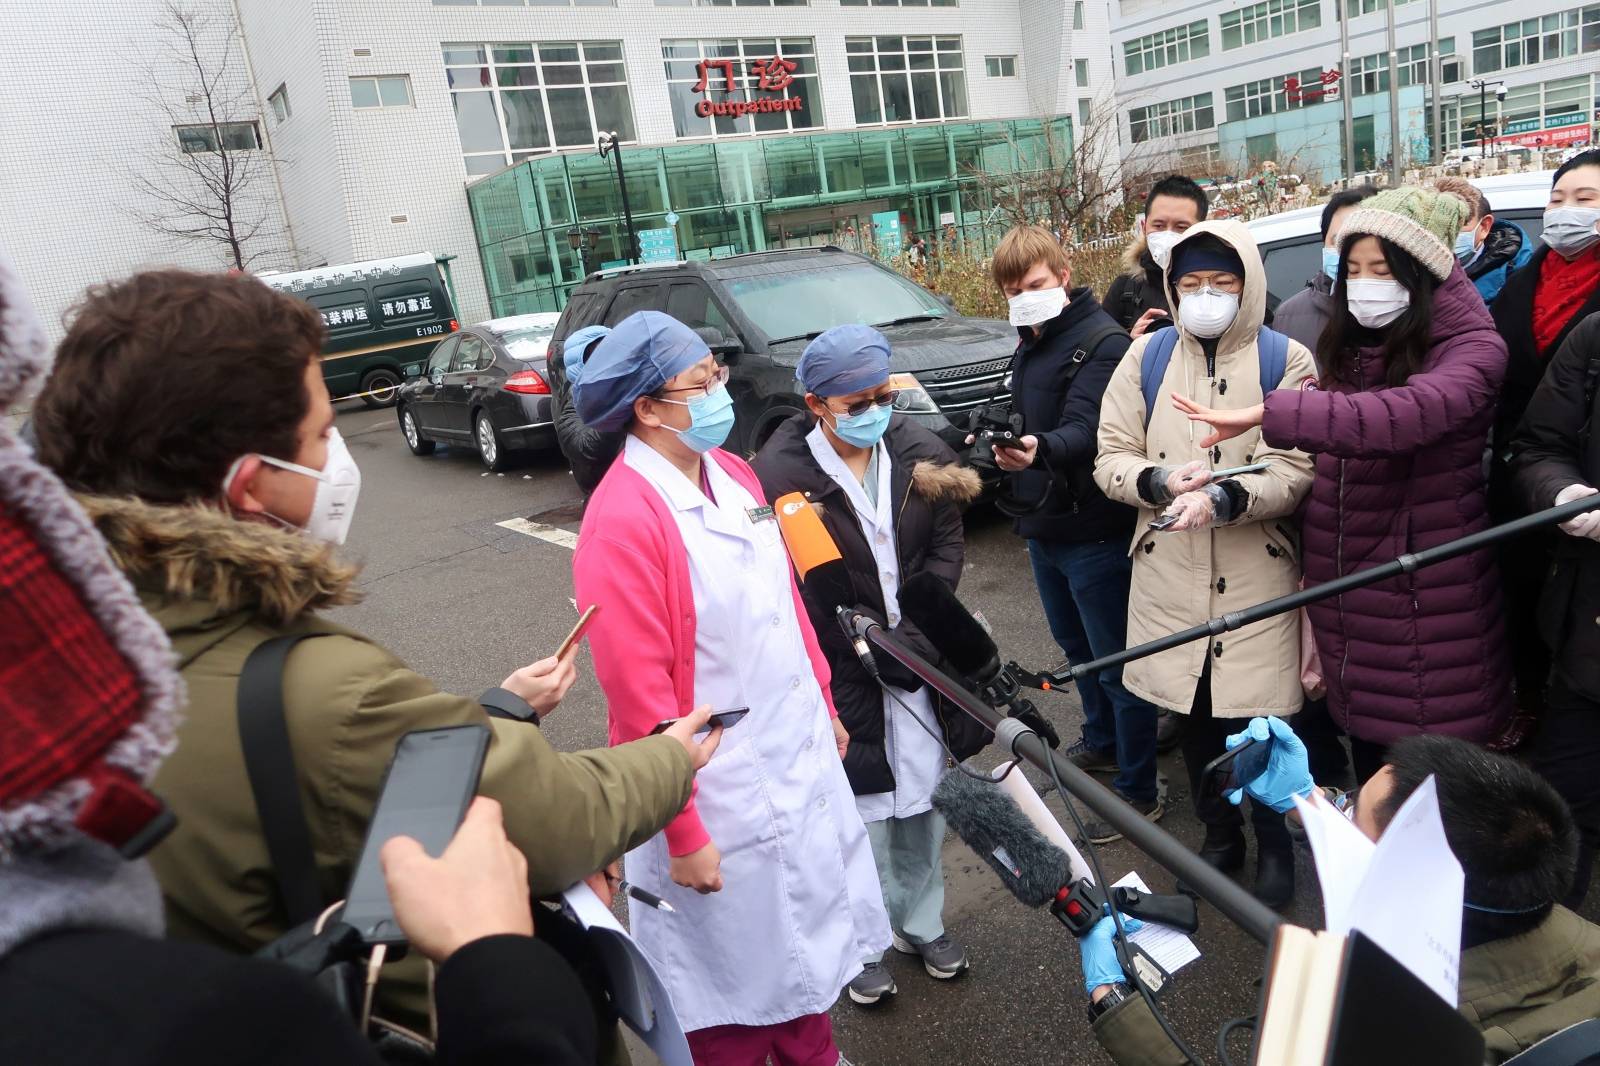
[{"x": 773, "y": 75}]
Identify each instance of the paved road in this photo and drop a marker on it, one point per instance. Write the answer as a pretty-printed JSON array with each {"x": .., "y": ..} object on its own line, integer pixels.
[{"x": 466, "y": 600}]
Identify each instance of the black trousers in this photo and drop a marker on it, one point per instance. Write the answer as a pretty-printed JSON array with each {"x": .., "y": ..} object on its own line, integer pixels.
[
  {"x": 1368, "y": 758},
  {"x": 1203, "y": 740},
  {"x": 1324, "y": 742},
  {"x": 1566, "y": 750}
]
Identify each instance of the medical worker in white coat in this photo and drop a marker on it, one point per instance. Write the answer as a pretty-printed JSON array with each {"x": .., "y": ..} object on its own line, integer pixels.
[{"x": 768, "y": 866}]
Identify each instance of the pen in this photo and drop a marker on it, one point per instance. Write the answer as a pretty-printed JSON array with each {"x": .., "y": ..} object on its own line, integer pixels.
[{"x": 649, "y": 899}]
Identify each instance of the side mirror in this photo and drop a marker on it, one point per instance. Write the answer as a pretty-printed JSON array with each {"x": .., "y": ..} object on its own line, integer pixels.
[{"x": 727, "y": 349}]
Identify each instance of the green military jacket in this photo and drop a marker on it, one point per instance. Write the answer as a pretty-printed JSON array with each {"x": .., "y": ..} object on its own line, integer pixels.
[{"x": 220, "y": 587}]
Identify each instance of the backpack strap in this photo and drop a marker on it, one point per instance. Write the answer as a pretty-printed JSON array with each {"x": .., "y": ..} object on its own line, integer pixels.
[
  {"x": 1272, "y": 350},
  {"x": 1082, "y": 353},
  {"x": 1153, "y": 367},
  {"x": 274, "y": 782}
]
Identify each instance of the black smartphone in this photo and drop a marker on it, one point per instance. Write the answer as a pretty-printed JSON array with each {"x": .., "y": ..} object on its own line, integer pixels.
[
  {"x": 722, "y": 718},
  {"x": 1001, "y": 438},
  {"x": 1164, "y": 523},
  {"x": 1232, "y": 769},
  {"x": 430, "y": 781}
]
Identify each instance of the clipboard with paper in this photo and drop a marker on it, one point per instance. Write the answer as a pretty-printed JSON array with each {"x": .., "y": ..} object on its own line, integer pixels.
[{"x": 637, "y": 993}]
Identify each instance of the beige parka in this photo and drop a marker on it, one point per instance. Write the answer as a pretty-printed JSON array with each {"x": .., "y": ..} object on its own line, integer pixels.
[{"x": 1182, "y": 579}]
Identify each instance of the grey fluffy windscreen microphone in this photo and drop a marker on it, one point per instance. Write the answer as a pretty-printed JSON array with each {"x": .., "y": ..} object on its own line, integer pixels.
[{"x": 983, "y": 816}]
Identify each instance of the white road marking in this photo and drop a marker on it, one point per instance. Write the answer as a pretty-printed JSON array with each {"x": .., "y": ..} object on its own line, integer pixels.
[{"x": 538, "y": 530}]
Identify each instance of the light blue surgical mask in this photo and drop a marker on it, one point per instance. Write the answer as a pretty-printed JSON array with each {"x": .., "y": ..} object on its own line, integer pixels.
[
  {"x": 1330, "y": 263},
  {"x": 863, "y": 430},
  {"x": 710, "y": 420},
  {"x": 1466, "y": 247}
]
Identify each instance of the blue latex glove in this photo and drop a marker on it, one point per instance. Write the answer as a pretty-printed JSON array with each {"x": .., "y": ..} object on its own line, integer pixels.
[
  {"x": 1288, "y": 774},
  {"x": 1100, "y": 965}
]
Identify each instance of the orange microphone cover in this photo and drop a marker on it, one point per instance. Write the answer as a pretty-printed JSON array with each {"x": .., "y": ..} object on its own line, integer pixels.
[{"x": 804, "y": 534}]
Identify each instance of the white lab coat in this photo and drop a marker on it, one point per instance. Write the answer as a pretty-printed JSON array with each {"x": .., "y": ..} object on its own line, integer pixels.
[
  {"x": 915, "y": 757},
  {"x": 801, "y": 905}
]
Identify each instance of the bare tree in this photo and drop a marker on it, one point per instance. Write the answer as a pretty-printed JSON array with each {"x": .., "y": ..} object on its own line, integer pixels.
[
  {"x": 1081, "y": 187},
  {"x": 206, "y": 181}
]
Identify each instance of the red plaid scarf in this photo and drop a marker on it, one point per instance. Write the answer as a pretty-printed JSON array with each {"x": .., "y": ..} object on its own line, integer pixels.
[{"x": 65, "y": 692}]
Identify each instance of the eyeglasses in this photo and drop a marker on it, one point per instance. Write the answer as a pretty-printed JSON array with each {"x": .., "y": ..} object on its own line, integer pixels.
[
  {"x": 1233, "y": 286},
  {"x": 717, "y": 380},
  {"x": 861, "y": 407}
]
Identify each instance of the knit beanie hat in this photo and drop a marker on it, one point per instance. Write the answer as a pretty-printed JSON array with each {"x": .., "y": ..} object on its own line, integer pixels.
[
  {"x": 88, "y": 694},
  {"x": 1422, "y": 221},
  {"x": 1206, "y": 251}
]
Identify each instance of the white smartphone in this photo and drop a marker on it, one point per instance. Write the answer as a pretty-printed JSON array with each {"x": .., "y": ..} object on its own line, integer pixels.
[{"x": 1253, "y": 468}]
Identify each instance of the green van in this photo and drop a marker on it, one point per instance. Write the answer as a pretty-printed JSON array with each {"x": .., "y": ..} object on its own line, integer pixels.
[{"x": 383, "y": 316}]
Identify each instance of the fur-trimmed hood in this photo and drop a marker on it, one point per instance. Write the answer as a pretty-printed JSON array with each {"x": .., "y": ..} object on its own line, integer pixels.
[
  {"x": 945, "y": 482},
  {"x": 936, "y": 475},
  {"x": 198, "y": 553}
]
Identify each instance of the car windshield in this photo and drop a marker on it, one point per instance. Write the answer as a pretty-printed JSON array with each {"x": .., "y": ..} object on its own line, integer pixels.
[
  {"x": 526, "y": 344},
  {"x": 797, "y": 303}
]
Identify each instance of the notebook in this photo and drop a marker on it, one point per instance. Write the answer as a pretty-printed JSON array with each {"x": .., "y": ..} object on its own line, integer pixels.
[{"x": 1332, "y": 1000}]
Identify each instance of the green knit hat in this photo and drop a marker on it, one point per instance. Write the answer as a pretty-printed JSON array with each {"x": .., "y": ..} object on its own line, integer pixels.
[{"x": 1422, "y": 221}]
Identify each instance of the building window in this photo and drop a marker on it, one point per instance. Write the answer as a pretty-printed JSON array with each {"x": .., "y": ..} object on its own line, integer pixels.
[
  {"x": 1080, "y": 72},
  {"x": 1177, "y": 45},
  {"x": 729, "y": 87},
  {"x": 1201, "y": 159},
  {"x": 1357, "y": 8},
  {"x": 1085, "y": 110},
  {"x": 731, "y": 3},
  {"x": 1171, "y": 118},
  {"x": 235, "y": 137},
  {"x": 279, "y": 102},
  {"x": 1264, "y": 21},
  {"x": 906, "y": 79},
  {"x": 1077, "y": 14},
  {"x": 389, "y": 91},
  {"x": 525, "y": 3},
  {"x": 1272, "y": 95},
  {"x": 1000, "y": 66},
  {"x": 897, "y": 3},
  {"x": 515, "y": 100},
  {"x": 1536, "y": 40}
]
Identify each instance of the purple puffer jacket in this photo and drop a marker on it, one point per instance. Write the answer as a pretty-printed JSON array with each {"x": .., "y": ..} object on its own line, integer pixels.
[{"x": 1399, "y": 470}]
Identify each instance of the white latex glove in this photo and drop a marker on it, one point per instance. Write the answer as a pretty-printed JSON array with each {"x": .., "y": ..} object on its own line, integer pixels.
[
  {"x": 1586, "y": 524},
  {"x": 1195, "y": 510},
  {"x": 1187, "y": 478}
]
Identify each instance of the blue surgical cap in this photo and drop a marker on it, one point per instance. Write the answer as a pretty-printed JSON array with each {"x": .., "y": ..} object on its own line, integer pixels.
[
  {"x": 843, "y": 360},
  {"x": 636, "y": 359},
  {"x": 576, "y": 344}
]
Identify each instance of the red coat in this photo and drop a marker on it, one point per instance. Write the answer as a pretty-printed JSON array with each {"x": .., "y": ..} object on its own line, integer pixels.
[{"x": 631, "y": 558}]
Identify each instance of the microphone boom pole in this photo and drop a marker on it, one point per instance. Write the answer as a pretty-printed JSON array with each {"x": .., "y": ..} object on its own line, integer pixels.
[
  {"x": 1405, "y": 564},
  {"x": 1243, "y": 909}
]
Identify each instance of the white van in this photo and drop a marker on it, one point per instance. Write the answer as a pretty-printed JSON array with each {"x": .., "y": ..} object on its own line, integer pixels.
[{"x": 1291, "y": 242}]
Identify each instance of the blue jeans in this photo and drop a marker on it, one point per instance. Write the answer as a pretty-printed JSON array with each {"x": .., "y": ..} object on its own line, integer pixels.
[{"x": 1084, "y": 590}]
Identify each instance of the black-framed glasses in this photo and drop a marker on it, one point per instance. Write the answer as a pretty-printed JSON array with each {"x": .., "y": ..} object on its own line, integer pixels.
[{"x": 861, "y": 407}]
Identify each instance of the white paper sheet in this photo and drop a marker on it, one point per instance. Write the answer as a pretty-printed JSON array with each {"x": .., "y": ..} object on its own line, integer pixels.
[
  {"x": 1404, "y": 892},
  {"x": 1022, "y": 794},
  {"x": 1168, "y": 946},
  {"x": 641, "y": 999}
]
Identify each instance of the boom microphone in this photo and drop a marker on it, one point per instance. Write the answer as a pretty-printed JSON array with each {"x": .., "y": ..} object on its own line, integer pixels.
[
  {"x": 931, "y": 605},
  {"x": 1034, "y": 869}
]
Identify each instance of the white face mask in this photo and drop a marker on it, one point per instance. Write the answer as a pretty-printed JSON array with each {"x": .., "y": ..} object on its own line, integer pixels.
[
  {"x": 1160, "y": 245},
  {"x": 1037, "y": 305},
  {"x": 338, "y": 485},
  {"x": 1209, "y": 312},
  {"x": 1571, "y": 230},
  {"x": 1376, "y": 302}
]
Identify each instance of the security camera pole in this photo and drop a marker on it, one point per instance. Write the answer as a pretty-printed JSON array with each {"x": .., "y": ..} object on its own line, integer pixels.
[
  {"x": 610, "y": 142},
  {"x": 1484, "y": 126}
]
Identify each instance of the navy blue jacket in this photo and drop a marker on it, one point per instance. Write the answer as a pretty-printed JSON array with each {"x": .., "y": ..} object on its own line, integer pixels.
[{"x": 1066, "y": 419}]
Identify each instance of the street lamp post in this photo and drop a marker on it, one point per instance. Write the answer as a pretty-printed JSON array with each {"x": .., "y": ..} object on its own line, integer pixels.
[
  {"x": 583, "y": 243},
  {"x": 610, "y": 142},
  {"x": 1482, "y": 85}
]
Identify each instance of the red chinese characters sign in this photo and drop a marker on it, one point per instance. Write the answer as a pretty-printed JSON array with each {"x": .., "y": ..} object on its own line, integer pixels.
[
  {"x": 772, "y": 75},
  {"x": 1299, "y": 94}
]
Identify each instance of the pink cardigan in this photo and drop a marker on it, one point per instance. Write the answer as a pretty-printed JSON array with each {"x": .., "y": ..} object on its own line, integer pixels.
[{"x": 631, "y": 559}]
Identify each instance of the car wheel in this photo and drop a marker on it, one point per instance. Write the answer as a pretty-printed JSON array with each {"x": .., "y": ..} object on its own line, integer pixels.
[
  {"x": 490, "y": 448},
  {"x": 382, "y": 388},
  {"x": 418, "y": 444}
]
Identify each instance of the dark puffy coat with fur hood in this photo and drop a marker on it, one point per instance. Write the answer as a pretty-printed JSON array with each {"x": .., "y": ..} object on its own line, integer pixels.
[{"x": 929, "y": 488}]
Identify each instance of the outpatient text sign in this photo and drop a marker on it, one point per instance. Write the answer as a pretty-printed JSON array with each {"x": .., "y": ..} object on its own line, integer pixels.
[{"x": 772, "y": 75}]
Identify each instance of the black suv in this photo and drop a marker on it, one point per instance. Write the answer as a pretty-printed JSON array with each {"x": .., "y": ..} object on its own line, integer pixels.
[{"x": 758, "y": 311}]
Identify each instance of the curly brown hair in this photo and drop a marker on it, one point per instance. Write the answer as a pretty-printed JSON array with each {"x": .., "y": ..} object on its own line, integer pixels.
[{"x": 166, "y": 377}]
